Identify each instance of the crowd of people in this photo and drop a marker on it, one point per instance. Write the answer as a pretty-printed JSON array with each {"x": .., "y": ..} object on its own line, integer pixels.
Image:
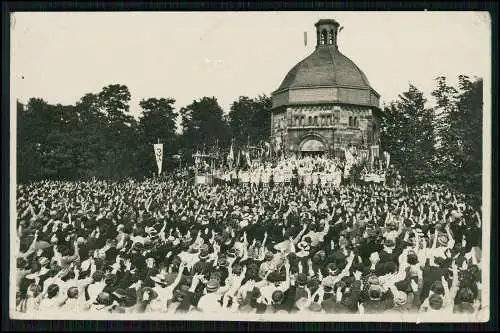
[
  {"x": 308, "y": 169},
  {"x": 169, "y": 246}
]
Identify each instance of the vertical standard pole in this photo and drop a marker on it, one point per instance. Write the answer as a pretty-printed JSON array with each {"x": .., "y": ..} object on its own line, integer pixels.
[{"x": 158, "y": 139}]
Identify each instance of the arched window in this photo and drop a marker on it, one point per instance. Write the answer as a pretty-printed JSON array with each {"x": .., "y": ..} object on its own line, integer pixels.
[
  {"x": 316, "y": 120},
  {"x": 323, "y": 37},
  {"x": 336, "y": 112},
  {"x": 350, "y": 122},
  {"x": 356, "y": 122},
  {"x": 331, "y": 37},
  {"x": 310, "y": 120}
]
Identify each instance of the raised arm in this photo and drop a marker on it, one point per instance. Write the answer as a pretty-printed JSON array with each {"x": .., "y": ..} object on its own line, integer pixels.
[
  {"x": 31, "y": 248},
  {"x": 434, "y": 242},
  {"x": 299, "y": 236},
  {"x": 287, "y": 282},
  {"x": 478, "y": 219},
  {"x": 264, "y": 240},
  {"x": 325, "y": 230},
  {"x": 451, "y": 240},
  {"x": 178, "y": 277}
]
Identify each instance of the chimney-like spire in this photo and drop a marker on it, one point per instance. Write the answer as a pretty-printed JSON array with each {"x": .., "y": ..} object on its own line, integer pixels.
[{"x": 326, "y": 32}]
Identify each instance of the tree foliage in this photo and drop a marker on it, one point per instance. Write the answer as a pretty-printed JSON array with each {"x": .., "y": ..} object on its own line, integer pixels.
[
  {"x": 204, "y": 126},
  {"x": 98, "y": 137},
  {"x": 157, "y": 124},
  {"x": 407, "y": 132},
  {"x": 459, "y": 114},
  {"x": 443, "y": 144},
  {"x": 250, "y": 120}
]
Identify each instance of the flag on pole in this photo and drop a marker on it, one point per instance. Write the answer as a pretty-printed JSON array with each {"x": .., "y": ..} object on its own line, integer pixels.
[
  {"x": 387, "y": 158},
  {"x": 277, "y": 143},
  {"x": 230, "y": 157},
  {"x": 267, "y": 149},
  {"x": 217, "y": 148},
  {"x": 247, "y": 155},
  {"x": 349, "y": 158},
  {"x": 372, "y": 160},
  {"x": 238, "y": 159},
  {"x": 158, "y": 149}
]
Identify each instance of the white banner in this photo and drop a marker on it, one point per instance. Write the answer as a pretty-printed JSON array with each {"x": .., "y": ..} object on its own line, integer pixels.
[
  {"x": 158, "y": 148},
  {"x": 375, "y": 151},
  {"x": 387, "y": 158}
]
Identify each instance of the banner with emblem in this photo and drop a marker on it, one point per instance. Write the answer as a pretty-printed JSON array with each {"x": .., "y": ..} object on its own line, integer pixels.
[{"x": 158, "y": 149}]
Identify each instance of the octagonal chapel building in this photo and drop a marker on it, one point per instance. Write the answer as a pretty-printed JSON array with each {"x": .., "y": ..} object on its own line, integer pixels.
[{"x": 326, "y": 103}]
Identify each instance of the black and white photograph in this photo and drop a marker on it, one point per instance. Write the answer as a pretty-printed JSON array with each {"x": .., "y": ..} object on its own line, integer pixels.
[{"x": 323, "y": 166}]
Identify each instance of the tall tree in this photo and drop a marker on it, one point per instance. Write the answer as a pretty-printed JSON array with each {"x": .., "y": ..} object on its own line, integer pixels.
[
  {"x": 240, "y": 119},
  {"x": 250, "y": 119},
  {"x": 262, "y": 118},
  {"x": 459, "y": 115},
  {"x": 407, "y": 132},
  {"x": 203, "y": 125},
  {"x": 120, "y": 130},
  {"x": 158, "y": 122},
  {"x": 158, "y": 119},
  {"x": 469, "y": 121},
  {"x": 447, "y": 134},
  {"x": 113, "y": 100}
]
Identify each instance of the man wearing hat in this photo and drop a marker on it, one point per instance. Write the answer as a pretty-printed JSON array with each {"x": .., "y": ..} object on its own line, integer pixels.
[
  {"x": 164, "y": 289},
  {"x": 97, "y": 285},
  {"x": 203, "y": 267},
  {"x": 191, "y": 256},
  {"x": 145, "y": 296},
  {"x": 267, "y": 266},
  {"x": 210, "y": 301},
  {"x": 220, "y": 271},
  {"x": 233, "y": 284},
  {"x": 378, "y": 301},
  {"x": 389, "y": 252},
  {"x": 43, "y": 273},
  {"x": 274, "y": 285},
  {"x": 110, "y": 250},
  {"x": 330, "y": 304},
  {"x": 126, "y": 299}
]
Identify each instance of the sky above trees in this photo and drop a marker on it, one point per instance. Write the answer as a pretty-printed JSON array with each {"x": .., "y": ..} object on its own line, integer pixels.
[{"x": 62, "y": 56}]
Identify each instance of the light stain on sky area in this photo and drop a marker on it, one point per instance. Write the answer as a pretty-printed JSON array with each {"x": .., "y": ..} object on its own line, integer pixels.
[{"x": 61, "y": 56}]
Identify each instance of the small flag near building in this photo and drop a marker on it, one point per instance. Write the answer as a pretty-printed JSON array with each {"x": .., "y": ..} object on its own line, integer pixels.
[{"x": 230, "y": 157}]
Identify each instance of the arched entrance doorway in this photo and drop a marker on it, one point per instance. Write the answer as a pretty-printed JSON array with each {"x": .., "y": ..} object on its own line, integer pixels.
[{"x": 312, "y": 146}]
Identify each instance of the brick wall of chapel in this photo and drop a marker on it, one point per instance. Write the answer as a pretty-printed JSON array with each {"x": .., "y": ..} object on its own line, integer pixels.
[{"x": 338, "y": 125}]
